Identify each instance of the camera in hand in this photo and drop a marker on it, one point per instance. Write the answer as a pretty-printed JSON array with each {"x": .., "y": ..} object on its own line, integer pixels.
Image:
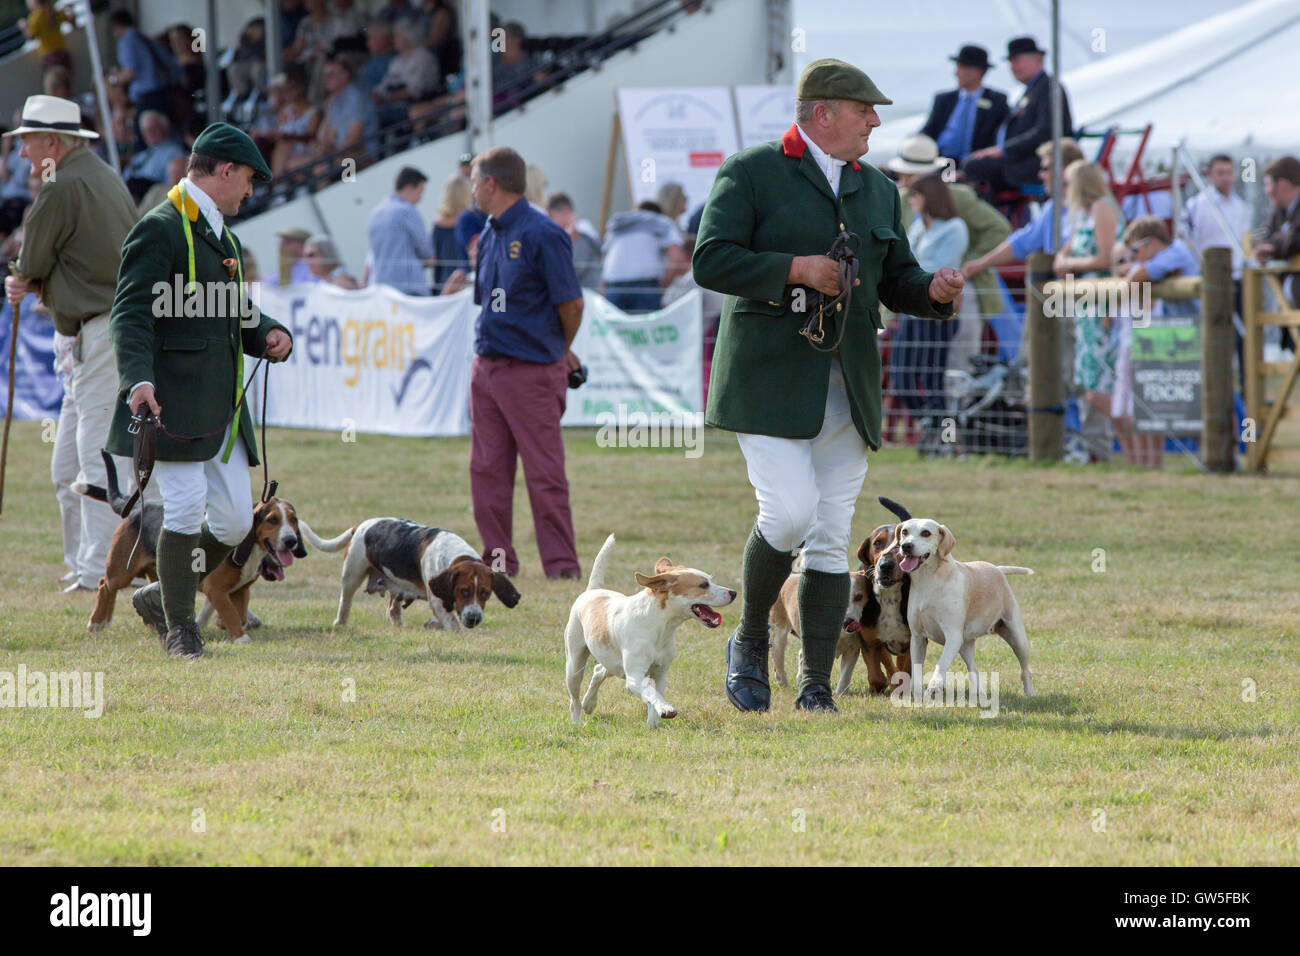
[{"x": 578, "y": 376}]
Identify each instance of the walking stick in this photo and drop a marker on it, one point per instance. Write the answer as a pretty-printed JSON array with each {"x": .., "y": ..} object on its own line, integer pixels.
[{"x": 9, "y": 408}]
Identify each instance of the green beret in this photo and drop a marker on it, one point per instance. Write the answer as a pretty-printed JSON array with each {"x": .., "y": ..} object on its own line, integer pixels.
[
  {"x": 230, "y": 144},
  {"x": 836, "y": 80}
]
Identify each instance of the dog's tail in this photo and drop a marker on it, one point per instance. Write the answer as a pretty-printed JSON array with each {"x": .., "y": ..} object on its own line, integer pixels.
[
  {"x": 899, "y": 511},
  {"x": 112, "y": 494},
  {"x": 320, "y": 544},
  {"x": 1011, "y": 569},
  {"x": 597, "y": 579}
]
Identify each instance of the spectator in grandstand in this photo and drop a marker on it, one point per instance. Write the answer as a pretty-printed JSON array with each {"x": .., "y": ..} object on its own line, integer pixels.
[
  {"x": 1154, "y": 258},
  {"x": 671, "y": 198},
  {"x": 641, "y": 247},
  {"x": 938, "y": 238},
  {"x": 412, "y": 75},
  {"x": 150, "y": 165},
  {"x": 144, "y": 67},
  {"x": 322, "y": 258},
  {"x": 45, "y": 26},
  {"x": 1096, "y": 221},
  {"x": 379, "y": 44},
  {"x": 296, "y": 126},
  {"x": 402, "y": 11},
  {"x": 311, "y": 45},
  {"x": 292, "y": 268},
  {"x": 967, "y": 118},
  {"x": 444, "y": 35},
  {"x": 1204, "y": 216},
  {"x": 349, "y": 34},
  {"x": 292, "y": 13},
  {"x": 513, "y": 68},
  {"x": 587, "y": 257},
  {"x": 521, "y": 366},
  {"x": 157, "y": 193},
  {"x": 57, "y": 81},
  {"x": 350, "y": 119},
  {"x": 194, "y": 72},
  {"x": 1012, "y": 163},
  {"x": 15, "y": 168},
  {"x": 247, "y": 71},
  {"x": 450, "y": 255},
  {"x": 400, "y": 247}
]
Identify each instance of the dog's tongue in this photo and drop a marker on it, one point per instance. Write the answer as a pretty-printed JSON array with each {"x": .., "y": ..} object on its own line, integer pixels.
[
  {"x": 707, "y": 615},
  {"x": 277, "y": 574},
  {"x": 910, "y": 563},
  {"x": 285, "y": 558},
  {"x": 852, "y": 626}
]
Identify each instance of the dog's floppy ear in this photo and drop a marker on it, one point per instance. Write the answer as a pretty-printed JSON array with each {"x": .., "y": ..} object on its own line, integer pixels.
[
  {"x": 659, "y": 582},
  {"x": 443, "y": 588},
  {"x": 864, "y": 551},
  {"x": 662, "y": 565},
  {"x": 946, "y": 542},
  {"x": 504, "y": 590}
]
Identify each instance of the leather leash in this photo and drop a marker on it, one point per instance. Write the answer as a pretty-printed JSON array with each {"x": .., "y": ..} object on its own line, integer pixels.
[{"x": 845, "y": 250}]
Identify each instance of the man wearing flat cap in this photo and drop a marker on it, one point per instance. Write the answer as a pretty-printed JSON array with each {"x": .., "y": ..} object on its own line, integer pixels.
[
  {"x": 806, "y": 407},
  {"x": 71, "y": 249},
  {"x": 182, "y": 358},
  {"x": 1014, "y": 162}
]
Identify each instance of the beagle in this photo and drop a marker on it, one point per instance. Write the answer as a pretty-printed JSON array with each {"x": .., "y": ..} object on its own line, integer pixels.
[
  {"x": 632, "y": 636},
  {"x": 277, "y": 533},
  {"x": 410, "y": 562},
  {"x": 783, "y": 620},
  {"x": 954, "y": 602},
  {"x": 132, "y": 554}
]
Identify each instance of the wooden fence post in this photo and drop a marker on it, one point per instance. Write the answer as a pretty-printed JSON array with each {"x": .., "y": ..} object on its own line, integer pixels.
[
  {"x": 1218, "y": 421},
  {"x": 1046, "y": 390}
]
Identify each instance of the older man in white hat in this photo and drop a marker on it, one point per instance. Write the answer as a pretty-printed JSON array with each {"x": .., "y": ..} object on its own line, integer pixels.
[{"x": 71, "y": 250}]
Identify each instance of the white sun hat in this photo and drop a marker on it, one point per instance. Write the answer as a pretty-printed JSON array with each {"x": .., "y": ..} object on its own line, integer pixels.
[{"x": 51, "y": 114}]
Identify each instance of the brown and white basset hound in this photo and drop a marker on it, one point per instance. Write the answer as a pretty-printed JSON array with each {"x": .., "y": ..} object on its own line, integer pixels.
[{"x": 410, "y": 562}]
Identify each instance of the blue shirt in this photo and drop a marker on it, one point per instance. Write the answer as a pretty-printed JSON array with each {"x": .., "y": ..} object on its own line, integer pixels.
[
  {"x": 941, "y": 245},
  {"x": 525, "y": 269},
  {"x": 374, "y": 70},
  {"x": 956, "y": 137},
  {"x": 350, "y": 106},
  {"x": 399, "y": 244},
  {"x": 468, "y": 225},
  {"x": 153, "y": 71},
  {"x": 1033, "y": 236},
  {"x": 152, "y": 163},
  {"x": 1177, "y": 257}
]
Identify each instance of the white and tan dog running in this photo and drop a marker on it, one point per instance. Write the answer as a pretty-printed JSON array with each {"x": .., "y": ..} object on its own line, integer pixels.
[
  {"x": 955, "y": 602},
  {"x": 632, "y": 636}
]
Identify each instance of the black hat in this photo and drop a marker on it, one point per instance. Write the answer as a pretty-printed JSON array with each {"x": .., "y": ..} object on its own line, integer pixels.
[
  {"x": 971, "y": 55},
  {"x": 1023, "y": 45}
]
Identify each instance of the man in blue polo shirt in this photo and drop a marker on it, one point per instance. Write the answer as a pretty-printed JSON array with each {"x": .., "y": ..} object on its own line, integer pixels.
[{"x": 531, "y": 309}]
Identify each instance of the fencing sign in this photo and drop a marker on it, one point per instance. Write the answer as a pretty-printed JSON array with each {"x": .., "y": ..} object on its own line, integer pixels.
[{"x": 1167, "y": 376}]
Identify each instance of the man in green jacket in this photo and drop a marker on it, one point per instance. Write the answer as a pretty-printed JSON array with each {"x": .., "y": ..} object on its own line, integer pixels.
[
  {"x": 805, "y": 415},
  {"x": 181, "y": 324}
]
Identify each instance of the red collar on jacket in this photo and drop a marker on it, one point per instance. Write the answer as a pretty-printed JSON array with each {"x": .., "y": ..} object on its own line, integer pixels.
[{"x": 792, "y": 144}]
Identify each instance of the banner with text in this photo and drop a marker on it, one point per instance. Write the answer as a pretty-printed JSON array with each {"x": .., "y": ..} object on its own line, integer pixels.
[
  {"x": 1167, "y": 376},
  {"x": 377, "y": 361},
  {"x": 763, "y": 113},
  {"x": 675, "y": 135}
]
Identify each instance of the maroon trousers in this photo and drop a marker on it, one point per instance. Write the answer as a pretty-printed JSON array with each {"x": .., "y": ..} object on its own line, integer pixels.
[{"x": 515, "y": 410}]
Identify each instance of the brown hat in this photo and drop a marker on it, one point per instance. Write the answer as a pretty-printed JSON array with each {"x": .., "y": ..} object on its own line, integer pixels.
[{"x": 836, "y": 80}]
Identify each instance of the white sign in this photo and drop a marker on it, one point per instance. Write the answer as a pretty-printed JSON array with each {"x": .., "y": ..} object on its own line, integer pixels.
[
  {"x": 763, "y": 113},
  {"x": 377, "y": 361},
  {"x": 676, "y": 135}
]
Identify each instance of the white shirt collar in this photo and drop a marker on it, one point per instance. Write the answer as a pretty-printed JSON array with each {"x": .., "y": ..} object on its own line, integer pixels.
[
  {"x": 828, "y": 164},
  {"x": 207, "y": 207}
]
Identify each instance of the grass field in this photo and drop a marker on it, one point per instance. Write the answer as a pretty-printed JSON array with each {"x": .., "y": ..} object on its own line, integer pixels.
[{"x": 1143, "y": 746}]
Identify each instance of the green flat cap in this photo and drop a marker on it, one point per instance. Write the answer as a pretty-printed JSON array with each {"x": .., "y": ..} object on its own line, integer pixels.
[
  {"x": 230, "y": 144},
  {"x": 836, "y": 80}
]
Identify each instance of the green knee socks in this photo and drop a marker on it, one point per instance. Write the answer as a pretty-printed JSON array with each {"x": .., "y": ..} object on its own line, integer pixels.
[
  {"x": 823, "y": 599},
  {"x": 764, "y": 570},
  {"x": 180, "y": 569}
]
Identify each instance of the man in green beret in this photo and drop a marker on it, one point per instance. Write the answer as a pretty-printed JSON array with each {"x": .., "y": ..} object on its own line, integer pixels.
[
  {"x": 805, "y": 415},
  {"x": 181, "y": 324}
]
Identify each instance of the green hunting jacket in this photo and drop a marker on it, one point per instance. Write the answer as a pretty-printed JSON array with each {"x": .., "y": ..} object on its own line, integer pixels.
[
  {"x": 770, "y": 203},
  {"x": 192, "y": 361}
]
